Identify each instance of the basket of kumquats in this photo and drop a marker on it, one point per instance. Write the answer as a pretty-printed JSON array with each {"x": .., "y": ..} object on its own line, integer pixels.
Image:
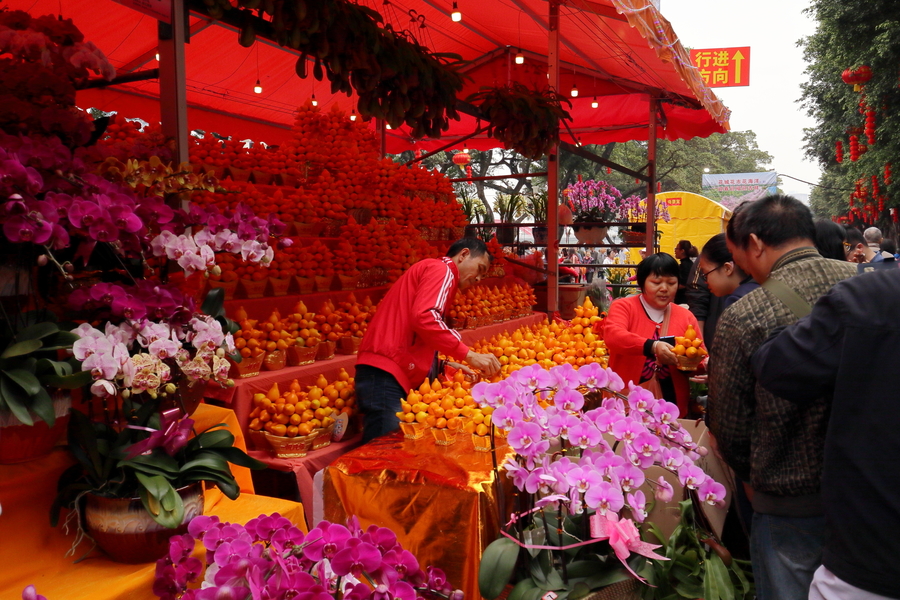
[{"x": 689, "y": 349}]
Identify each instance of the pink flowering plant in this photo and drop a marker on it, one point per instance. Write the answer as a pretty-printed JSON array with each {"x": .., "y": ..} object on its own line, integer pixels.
[
  {"x": 269, "y": 558},
  {"x": 594, "y": 201},
  {"x": 583, "y": 471}
]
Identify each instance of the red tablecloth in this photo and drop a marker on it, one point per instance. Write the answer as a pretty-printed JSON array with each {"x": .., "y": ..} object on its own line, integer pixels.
[
  {"x": 261, "y": 308},
  {"x": 304, "y": 469}
]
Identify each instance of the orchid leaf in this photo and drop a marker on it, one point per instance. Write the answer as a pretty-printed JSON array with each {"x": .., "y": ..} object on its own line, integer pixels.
[
  {"x": 25, "y": 380},
  {"x": 42, "y": 405},
  {"x": 240, "y": 458},
  {"x": 69, "y": 382},
  {"x": 59, "y": 368},
  {"x": 716, "y": 581},
  {"x": 15, "y": 399},
  {"x": 60, "y": 340},
  {"x": 206, "y": 460},
  {"x": 522, "y": 588},
  {"x": 22, "y": 348},
  {"x": 38, "y": 331},
  {"x": 214, "y": 303},
  {"x": 609, "y": 578},
  {"x": 216, "y": 438},
  {"x": 497, "y": 564}
]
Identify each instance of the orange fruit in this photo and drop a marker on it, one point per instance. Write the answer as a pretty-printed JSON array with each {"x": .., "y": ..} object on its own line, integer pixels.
[{"x": 679, "y": 350}]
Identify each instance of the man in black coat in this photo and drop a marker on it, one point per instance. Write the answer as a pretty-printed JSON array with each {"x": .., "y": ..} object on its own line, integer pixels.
[{"x": 846, "y": 349}]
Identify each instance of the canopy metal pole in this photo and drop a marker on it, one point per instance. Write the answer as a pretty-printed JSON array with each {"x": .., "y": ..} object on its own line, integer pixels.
[
  {"x": 553, "y": 170},
  {"x": 172, "y": 80},
  {"x": 651, "y": 181}
]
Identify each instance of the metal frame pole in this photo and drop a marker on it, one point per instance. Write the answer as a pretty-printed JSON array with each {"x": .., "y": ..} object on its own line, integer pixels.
[
  {"x": 173, "y": 81},
  {"x": 553, "y": 169},
  {"x": 651, "y": 182}
]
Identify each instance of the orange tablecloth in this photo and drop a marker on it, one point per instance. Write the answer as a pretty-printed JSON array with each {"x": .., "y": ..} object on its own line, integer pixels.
[
  {"x": 240, "y": 397},
  {"x": 304, "y": 469},
  {"x": 441, "y": 501},
  {"x": 32, "y": 552}
]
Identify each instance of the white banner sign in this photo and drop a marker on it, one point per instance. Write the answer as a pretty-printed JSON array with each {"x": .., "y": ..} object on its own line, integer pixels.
[{"x": 731, "y": 189}]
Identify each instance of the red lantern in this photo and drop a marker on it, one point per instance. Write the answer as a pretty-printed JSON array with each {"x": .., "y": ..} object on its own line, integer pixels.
[
  {"x": 894, "y": 216},
  {"x": 658, "y": 187},
  {"x": 839, "y": 151},
  {"x": 887, "y": 174},
  {"x": 870, "y": 125},
  {"x": 469, "y": 171},
  {"x": 461, "y": 158},
  {"x": 854, "y": 148},
  {"x": 857, "y": 77}
]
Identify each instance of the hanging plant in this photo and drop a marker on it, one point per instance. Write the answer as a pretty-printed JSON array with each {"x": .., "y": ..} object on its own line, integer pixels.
[
  {"x": 525, "y": 120},
  {"x": 394, "y": 77}
]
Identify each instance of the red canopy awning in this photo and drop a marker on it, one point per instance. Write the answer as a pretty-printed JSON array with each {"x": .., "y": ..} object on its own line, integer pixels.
[{"x": 620, "y": 52}]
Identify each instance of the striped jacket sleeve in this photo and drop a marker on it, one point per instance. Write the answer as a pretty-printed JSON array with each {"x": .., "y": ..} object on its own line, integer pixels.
[{"x": 436, "y": 290}]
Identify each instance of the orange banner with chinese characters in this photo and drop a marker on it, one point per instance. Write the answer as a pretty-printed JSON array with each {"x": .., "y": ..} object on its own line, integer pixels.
[{"x": 723, "y": 67}]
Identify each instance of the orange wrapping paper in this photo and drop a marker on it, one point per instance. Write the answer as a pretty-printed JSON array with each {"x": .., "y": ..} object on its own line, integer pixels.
[
  {"x": 32, "y": 552},
  {"x": 441, "y": 501}
]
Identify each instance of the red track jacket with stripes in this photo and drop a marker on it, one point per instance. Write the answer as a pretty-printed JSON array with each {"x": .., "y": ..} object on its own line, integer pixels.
[{"x": 408, "y": 327}]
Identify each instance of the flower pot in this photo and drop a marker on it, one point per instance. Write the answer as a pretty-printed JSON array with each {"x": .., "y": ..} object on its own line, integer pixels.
[
  {"x": 590, "y": 234},
  {"x": 124, "y": 529},
  {"x": 506, "y": 234},
  {"x": 471, "y": 231},
  {"x": 22, "y": 443}
]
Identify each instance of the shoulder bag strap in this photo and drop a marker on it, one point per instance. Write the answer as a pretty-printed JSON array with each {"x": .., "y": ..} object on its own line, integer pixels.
[
  {"x": 664, "y": 330},
  {"x": 789, "y": 297}
]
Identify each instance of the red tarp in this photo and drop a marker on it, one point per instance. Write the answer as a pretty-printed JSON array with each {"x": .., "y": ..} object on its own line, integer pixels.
[{"x": 617, "y": 51}]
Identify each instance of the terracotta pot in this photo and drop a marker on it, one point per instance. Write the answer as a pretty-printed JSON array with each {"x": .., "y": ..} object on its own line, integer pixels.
[
  {"x": 127, "y": 533},
  {"x": 591, "y": 235}
]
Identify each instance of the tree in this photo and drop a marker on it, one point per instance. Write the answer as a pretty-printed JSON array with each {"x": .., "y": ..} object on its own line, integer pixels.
[{"x": 849, "y": 34}]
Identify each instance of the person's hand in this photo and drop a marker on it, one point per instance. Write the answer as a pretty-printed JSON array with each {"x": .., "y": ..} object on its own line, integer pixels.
[
  {"x": 471, "y": 376},
  {"x": 486, "y": 363},
  {"x": 664, "y": 354},
  {"x": 700, "y": 378}
]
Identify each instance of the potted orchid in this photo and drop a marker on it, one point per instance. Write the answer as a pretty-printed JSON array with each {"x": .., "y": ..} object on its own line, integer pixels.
[
  {"x": 594, "y": 204},
  {"x": 145, "y": 469},
  {"x": 269, "y": 557},
  {"x": 585, "y": 445}
]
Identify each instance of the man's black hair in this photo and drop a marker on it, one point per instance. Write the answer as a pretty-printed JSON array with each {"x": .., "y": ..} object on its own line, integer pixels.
[
  {"x": 775, "y": 219},
  {"x": 476, "y": 247},
  {"x": 661, "y": 264},
  {"x": 855, "y": 237}
]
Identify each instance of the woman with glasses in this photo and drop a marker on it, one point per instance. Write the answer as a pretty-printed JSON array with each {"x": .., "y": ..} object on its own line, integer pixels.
[
  {"x": 831, "y": 240},
  {"x": 724, "y": 278}
]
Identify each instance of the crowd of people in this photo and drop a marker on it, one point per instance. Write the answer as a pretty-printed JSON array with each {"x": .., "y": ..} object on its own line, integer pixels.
[{"x": 797, "y": 316}]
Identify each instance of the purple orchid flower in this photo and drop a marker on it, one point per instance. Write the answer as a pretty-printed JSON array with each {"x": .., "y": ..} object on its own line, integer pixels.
[
  {"x": 324, "y": 540},
  {"x": 646, "y": 444},
  {"x": 399, "y": 590},
  {"x": 584, "y": 435},
  {"x": 356, "y": 557},
  {"x": 664, "y": 491},
  {"x": 30, "y": 593},
  {"x": 629, "y": 477},
  {"x": 569, "y": 399},
  {"x": 172, "y": 436},
  {"x": 691, "y": 476},
  {"x": 638, "y": 504},
  {"x": 506, "y": 416},
  {"x": 381, "y": 537},
  {"x": 593, "y": 376},
  {"x": 712, "y": 492},
  {"x": 604, "y": 497}
]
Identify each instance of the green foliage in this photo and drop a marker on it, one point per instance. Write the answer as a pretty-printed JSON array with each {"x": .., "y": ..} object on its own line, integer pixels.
[
  {"x": 510, "y": 208},
  {"x": 103, "y": 466},
  {"x": 851, "y": 33},
  {"x": 29, "y": 366},
  {"x": 697, "y": 567}
]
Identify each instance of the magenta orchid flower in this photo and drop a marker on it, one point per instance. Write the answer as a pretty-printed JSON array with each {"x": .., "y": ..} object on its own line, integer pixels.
[
  {"x": 604, "y": 497},
  {"x": 569, "y": 399},
  {"x": 712, "y": 492},
  {"x": 584, "y": 435},
  {"x": 691, "y": 476},
  {"x": 355, "y": 557},
  {"x": 593, "y": 376},
  {"x": 638, "y": 504}
]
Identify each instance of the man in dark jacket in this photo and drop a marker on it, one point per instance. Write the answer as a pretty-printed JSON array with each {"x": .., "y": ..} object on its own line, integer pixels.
[
  {"x": 771, "y": 443},
  {"x": 830, "y": 354}
]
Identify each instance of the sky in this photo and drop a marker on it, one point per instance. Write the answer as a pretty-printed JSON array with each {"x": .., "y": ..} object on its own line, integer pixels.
[{"x": 768, "y": 106}]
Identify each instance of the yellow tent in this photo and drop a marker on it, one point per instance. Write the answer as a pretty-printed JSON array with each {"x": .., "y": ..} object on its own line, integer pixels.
[{"x": 693, "y": 217}]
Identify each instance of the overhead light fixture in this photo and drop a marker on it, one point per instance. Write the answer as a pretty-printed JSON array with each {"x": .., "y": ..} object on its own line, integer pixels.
[
  {"x": 353, "y": 115},
  {"x": 313, "y": 100},
  {"x": 520, "y": 58},
  {"x": 257, "y": 88},
  {"x": 157, "y": 57},
  {"x": 387, "y": 125},
  {"x": 574, "y": 92},
  {"x": 595, "y": 104},
  {"x": 456, "y": 15}
]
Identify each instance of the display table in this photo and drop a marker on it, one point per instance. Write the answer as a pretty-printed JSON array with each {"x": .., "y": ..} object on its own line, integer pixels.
[
  {"x": 32, "y": 552},
  {"x": 240, "y": 397},
  {"x": 441, "y": 501},
  {"x": 304, "y": 469}
]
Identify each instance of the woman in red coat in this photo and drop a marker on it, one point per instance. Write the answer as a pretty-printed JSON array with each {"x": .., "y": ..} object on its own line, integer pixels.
[{"x": 634, "y": 326}]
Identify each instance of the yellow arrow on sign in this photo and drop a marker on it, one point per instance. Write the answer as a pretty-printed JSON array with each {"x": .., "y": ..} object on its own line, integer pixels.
[{"x": 737, "y": 58}]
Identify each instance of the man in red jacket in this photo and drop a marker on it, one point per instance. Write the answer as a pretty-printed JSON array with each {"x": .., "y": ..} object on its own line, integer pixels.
[{"x": 408, "y": 330}]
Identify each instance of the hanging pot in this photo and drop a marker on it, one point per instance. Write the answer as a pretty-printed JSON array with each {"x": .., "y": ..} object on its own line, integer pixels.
[
  {"x": 590, "y": 234},
  {"x": 22, "y": 443},
  {"x": 124, "y": 529}
]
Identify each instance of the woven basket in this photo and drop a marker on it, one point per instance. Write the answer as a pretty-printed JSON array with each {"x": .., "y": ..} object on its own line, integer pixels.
[
  {"x": 689, "y": 364},
  {"x": 413, "y": 431},
  {"x": 326, "y": 350},
  {"x": 258, "y": 439},
  {"x": 349, "y": 344},
  {"x": 482, "y": 443},
  {"x": 323, "y": 438},
  {"x": 301, "y": 355},
  {"x": 443, "y": 437},
  {"x": 254, "y": 289},
  {"x": 303, "y": 285},
  {"x": 279, "y": 287},
  {"x": 275, "y": 360},
  {"x": 286, "y": 447},
  {"x": 248, "y": 367},
  {"x": 323, "y": 282},
  {"x": 229, "y": 286}
]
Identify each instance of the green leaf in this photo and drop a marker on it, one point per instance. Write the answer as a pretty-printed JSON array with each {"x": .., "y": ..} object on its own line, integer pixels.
[
  {"x": 15, "y": 399},
  {"x": 497, "y": 564},
  {"x": 161, "y": 500},
  {"x": 22, "y": 348},
  {"x": 716, "y": 581},
  {"x": 522, "y": 588},
  {"x": 57, "y": 367},
  {"x": 738, "y": 572},
  {"x": 214, "y": 303},
  {"x": 239, "y": 457},
  {"x": 600, "y": 581},
  {"x": 42, "y": 405},
  {"x": 37, "y": 331},
  {"x": 59, "y": 341},
  {"x": 215, "y": 438},
  {"x": 69, "y": 382},
  {"x": 25, "y": 380},
  {"x": 206, "y": 460}
]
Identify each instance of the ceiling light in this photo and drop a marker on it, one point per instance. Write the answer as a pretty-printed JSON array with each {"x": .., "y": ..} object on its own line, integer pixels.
[
  {"x": 574, "y": 92},
  {"x": 456, "y": 15},
  {"x": 520, "y": 58},
  {"x": 314, "y": 102},
  {"x": 595, "y": 104},
  {"x": 353, "y": 115},
  {"x": 157, "y": 57},
  {"x": 257, "y": 88}
]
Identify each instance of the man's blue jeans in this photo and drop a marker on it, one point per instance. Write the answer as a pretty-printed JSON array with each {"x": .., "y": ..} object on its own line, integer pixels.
[
  {"x": 378, "y": 395},
  {"x": 785, "y": 551}
]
